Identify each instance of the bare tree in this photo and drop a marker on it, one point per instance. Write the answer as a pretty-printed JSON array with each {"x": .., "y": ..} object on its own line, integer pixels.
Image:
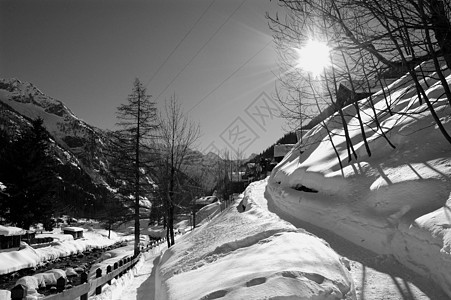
[
  {"x": 370, "y": 41},
  {"x": 178, "y": 136}
]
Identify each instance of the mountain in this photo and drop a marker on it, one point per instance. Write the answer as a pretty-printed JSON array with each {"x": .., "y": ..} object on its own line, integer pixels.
[
  {"x": 71, "y": 133},
  {"x": 78, "y": 148}
]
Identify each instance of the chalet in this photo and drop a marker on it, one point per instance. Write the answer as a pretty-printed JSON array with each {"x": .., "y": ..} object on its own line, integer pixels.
[
  {"x": 280, "y": 150},
  {"x": 11, "y": 236},
  {"x": 348, "y": 91},
  {"x": 76, "y": 232}
]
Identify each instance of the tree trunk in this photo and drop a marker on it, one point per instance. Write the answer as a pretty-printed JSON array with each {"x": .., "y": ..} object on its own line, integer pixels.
[
  {"x": 442, "y": 28},
  {"x": 194, "y": 217},
  {"x": 168, "y": 240}
]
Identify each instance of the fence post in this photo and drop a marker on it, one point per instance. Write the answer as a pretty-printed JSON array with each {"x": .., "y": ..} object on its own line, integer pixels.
[
  {"x": 115, "y": 266},
  {"x": 19, "y": 292},
  {"x": 84, "y": 279},
  {"x": 120, "y": 265},
  {"x": 61, "y": 284},
  {"x": 98, "y": 275},
  {"x": 108, "y": 270},
  {"x": 124, "y": 263}
]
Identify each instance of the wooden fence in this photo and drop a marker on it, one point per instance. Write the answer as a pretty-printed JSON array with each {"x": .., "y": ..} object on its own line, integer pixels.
[
  {"x": 81, "y": 291},
  {"x": 225, "y": 204}
]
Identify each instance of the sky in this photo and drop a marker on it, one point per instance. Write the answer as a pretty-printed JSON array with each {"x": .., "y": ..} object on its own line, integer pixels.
[{"x": 216, "y": 57}]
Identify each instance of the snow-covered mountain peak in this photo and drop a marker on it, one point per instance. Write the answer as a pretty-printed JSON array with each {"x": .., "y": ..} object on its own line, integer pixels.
[{"x": 25, "y": 92}]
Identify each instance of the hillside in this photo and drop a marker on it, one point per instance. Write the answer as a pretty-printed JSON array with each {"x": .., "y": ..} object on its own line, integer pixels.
[
  {"x": 86, "y": 142},
  {"x": 80, "y": 150},
  {"x": 395, "y": 201}
]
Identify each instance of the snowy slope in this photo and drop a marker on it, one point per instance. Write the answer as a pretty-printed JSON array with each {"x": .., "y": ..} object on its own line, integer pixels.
[
  {"x": 396, "y": 201},
  {"x": 29, "y": 101},
  {"x": 71, "y": 133},
  {"x": 251, "y": 254}
]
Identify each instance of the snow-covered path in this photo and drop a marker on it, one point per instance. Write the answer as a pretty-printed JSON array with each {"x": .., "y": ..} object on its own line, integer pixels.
[
  {"x": 143, "y": 285},
  {"x": 375, "y": 277}
]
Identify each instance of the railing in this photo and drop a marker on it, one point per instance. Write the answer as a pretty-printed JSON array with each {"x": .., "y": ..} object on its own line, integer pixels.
[
  {"x": 225, "y": 204},
  {"x": 81, "y": 291}
]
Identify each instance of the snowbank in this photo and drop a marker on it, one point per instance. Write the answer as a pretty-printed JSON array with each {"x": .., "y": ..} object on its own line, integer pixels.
[
  {"x": 206, "y": 200},
  {"x": 156, "y": 232},
  {"x": 27, "y": 257},
  {"x": 396, "y": 201},
  {"x": 251, "y": 254},
  {"x": 207, "y": 212}
]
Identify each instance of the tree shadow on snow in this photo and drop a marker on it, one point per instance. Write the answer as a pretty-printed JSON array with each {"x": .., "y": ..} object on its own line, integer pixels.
[
  {"x": 146, "y": 290},
  {"x": 400, "y": 275}
]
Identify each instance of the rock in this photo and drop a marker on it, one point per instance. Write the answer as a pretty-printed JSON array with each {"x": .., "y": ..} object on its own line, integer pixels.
[
  {"x": 49, "y": 278},
  {"x": 30, "y": 282},
  {"x": 71, "y": 272},
  {"x": 40, "y": 279},
  {"x": 58, "y": 273}
]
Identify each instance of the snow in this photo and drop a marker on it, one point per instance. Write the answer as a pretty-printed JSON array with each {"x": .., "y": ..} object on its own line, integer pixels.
[
  {"x": 11, "y": 230},
  {"x": 28, "y": 257},
  {"x": 251, "y": 254},
  {"x": 395, "y": 202},
  {"x": 72, "y": 229},
  {"x": 31, "y": 102},
  {"x": 207, "y": 212},
  {"x": 389, "y": 212},
  {"x": 206, "y": 200},
  {"x": 157, "y": 232}
]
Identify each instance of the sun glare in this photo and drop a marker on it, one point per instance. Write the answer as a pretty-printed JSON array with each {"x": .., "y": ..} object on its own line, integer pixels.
[{"x": 313, "y": 57}]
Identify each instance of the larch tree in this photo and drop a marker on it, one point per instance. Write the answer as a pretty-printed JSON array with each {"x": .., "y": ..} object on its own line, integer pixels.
[{"x": 137, "y": 120}]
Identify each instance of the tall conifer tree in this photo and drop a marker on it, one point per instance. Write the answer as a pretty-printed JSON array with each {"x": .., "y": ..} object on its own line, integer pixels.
[{"x": 137, "y": 120}]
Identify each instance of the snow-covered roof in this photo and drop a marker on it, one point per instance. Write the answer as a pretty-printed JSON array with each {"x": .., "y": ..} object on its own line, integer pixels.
[
  {"x": 282, "y": 149},
  {"x": 11, "y": 230},
  {"x": 72, "y": 228},
  {"x": 206, "y": 200}
]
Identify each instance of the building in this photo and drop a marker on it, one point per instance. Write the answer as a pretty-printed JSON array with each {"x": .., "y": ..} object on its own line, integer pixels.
[
  {"x": 76, "y": 232},
  {"x": 280, "y": 150},
  {"x": 10, "y": 236}
]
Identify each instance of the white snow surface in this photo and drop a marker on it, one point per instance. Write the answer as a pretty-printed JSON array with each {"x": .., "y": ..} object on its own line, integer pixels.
[
  {"x": 207, "y": 212},
  {"x": 28, "y": 257},
  {"x": 11, "y": 230},
  {"x": 395, "y": 202},
  {"x": 251, "y": 254}
]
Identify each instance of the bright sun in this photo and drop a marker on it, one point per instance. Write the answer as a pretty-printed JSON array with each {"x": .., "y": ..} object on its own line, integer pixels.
[{"x": 313, "y": 57}]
